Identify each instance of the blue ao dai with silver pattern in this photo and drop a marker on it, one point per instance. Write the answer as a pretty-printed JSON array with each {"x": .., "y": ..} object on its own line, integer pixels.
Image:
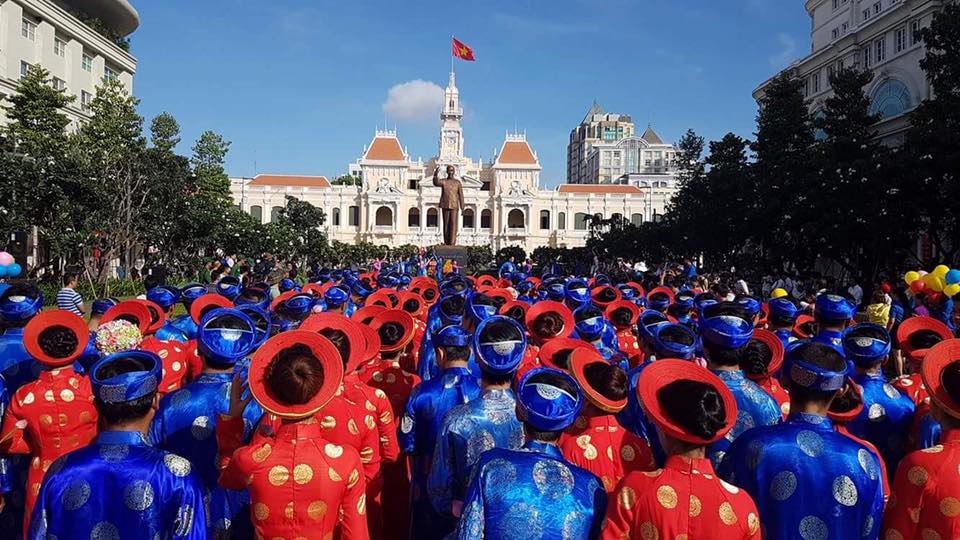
[
  {"x": 185, "y": 424},
  {"x": 119, "y": 487},
  {"x": 422, "y": 419},
  {"x": 530, "y": 494},
  {"x": 809, "y": 482},
  {"x": 468, "y": 431},
  {"x": 755, "y": 408},
  {"x": 885, "y": 419}
]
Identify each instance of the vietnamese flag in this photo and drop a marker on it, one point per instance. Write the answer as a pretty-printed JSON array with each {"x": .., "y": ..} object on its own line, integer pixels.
[{"x": 461, "y": 51}]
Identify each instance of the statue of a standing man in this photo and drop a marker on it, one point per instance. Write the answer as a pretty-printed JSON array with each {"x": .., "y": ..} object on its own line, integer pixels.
[{"x": 451, "y": 201}]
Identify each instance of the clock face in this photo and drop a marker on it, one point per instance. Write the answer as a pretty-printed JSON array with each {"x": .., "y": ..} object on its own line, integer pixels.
[{"x": 450, "y": 139}]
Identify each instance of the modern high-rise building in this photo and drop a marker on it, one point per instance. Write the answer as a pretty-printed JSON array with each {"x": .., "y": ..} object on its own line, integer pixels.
[
  {"x": 876, "y": 35},
  {"x": 597, "y": 126},
  {"x": 80, "y": 42}
]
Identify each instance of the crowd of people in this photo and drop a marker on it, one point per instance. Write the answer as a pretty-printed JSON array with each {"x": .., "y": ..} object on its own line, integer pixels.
[{"x": 408, "y": 402}]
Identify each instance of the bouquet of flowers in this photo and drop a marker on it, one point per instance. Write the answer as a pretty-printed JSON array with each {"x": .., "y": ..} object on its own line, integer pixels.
[{"x": 118, "y": 335}]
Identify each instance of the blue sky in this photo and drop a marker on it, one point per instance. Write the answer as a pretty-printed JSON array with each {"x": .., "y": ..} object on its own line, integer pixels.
[{"x": 299, "y": 86}]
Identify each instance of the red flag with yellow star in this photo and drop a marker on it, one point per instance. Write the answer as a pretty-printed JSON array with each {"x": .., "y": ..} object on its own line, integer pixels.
[{"x": 461, "y": 51}]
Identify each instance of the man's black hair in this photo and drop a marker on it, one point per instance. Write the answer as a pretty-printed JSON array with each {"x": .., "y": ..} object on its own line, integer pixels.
[
  {"x": 821, "y": 356},
  {"x": 70, "y": 277},
  {"x": 454, "y": 352},
  {"x": 731, "y": 309},
  {"x": 494, "y": 379},
  {"x": 675, "y": 334},
  {"x": 721, "y": 356},
  {"x": 500, "y": 331},
  {"x": 453, "y": 305},
  {"x": 128, "y": 411}
]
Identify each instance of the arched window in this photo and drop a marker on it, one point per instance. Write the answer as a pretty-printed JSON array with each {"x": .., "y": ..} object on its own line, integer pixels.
[
  {"x": 468, "y": 221},
  {"x": 257, "y": 213},
  {"x": 515, "y": 219},
  {"x": 544, "y": 220},
  {"x": 580, "y": 221},
  {"x": 818, "y": 133},
  {"x": 354, "y": 216},
  {"x": 636, "y": 219},
  {"x": 562, "y": 221},
  {"x": 433, "y": 218},
  {"x": 384, "y": 217},
  {"x": 275, "y": 213},
  {"x": 485, "y": 219},
  {"x": 890, "y": 99},
  {"x": 413, "y": 217},
  {"x": 336, "y": 217}
]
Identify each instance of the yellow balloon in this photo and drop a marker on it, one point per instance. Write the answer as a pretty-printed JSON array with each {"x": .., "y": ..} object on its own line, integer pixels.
[
  {"x": 934, "y": 282},
  {"x": 911, "y": 276},
  {"x": 778, "y": 293},
  {"x": 941, "y": 270},
  {"x": 952, "y": 290}
]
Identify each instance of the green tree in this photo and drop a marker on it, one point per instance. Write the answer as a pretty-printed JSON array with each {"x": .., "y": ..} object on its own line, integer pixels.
[
  {"x": 164, "y": 132},
  {"x": 209, "y": 155},
  {"x": 782, "y": 168},
  {"x": 113, "y": 146},
  {"x": 855, "y": 175},
  {"x": 172, "y": 184},
  {"x": 933, "y": 144},
  {"x": 347, "y": 180},
  {"x": 725, "y": 216},
  {"x": 36, "y": 176}
]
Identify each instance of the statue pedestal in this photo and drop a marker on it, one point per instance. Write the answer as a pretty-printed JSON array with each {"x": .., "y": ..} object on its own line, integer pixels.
[{"x": 456, "y": 253}]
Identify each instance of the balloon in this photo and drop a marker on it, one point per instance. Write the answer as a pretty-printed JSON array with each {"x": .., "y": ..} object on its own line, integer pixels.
[
  {"x": 14, "y": 270},
  {"x": 911, "y": 276},
  {"x": 922, "y": 273},
  {"x": 941, "y": 270},
  {"x": 934, "y": 282},
  {"x": 917, "y": 286},
  {"x": 778, "y": 293},
  {"x": 952, "y": 290},
  {"x": 953, "y": 276},
  {"x": 6, "y": 259}
]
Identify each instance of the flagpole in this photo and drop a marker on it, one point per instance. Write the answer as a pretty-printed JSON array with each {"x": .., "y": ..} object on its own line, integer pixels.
[{"x": 451, "y": 53}]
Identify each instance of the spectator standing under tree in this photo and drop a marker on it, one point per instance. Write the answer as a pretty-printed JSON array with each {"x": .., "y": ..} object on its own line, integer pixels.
[{"x": 68, "y": 299}]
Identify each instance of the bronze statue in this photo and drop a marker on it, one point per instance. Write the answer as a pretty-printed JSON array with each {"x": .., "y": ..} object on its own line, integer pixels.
[{"x": 451, "y": 201}]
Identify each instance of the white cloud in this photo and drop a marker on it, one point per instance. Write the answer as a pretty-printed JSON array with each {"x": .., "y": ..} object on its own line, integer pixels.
[
  {"x": 415, "y": 101},
  {"x": 788, "y": 51}
]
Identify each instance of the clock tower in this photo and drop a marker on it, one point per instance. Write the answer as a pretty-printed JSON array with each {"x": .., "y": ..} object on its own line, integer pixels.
[{"x": 451, "y": 134}]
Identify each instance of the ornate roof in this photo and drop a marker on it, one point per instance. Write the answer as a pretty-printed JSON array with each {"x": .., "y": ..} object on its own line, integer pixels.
[
  {"x": 385, "y": 147},
  {"x": 651, "y": 136},
  {"x": 594, "y": 109},
  {"x": 287, "y": 180},
  {"x": 516, "y": 151}
]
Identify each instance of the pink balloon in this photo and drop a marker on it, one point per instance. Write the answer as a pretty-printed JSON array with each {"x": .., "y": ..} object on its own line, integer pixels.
[
  {"x": 6, "y": 259},
  {"x": 922, "y": 273}
]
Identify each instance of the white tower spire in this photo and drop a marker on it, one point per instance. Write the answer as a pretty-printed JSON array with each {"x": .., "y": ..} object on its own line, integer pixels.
[{"x": 451, "y": 133}]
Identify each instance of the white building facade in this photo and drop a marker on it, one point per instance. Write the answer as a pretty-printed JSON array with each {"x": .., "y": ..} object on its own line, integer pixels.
[
  {"x": 53, "y": 34},
  {"x": 643, "y": 160},
  {"x": 876, "y": 35},
  {"x": 504, "y": 202}
]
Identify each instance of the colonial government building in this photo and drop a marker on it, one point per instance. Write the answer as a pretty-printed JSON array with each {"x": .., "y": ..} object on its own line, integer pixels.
[{"x": 505, "y": 204}]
